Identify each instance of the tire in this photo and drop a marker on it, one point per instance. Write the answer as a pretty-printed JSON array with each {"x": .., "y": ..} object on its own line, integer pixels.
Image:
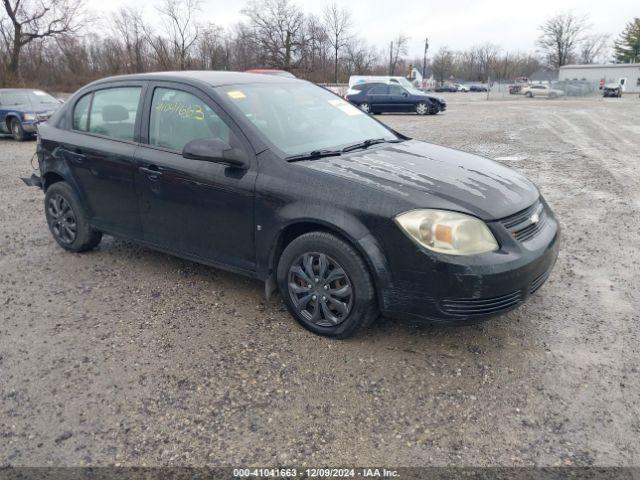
[
  {"x": 19, "y": 135},
  {"x": 528, "y": 95},
  {"x": 353, "y": 292},
  {"x": 422, "y": 108},
  {"x": 365, "y": 107},
  {"x": 553, "y": 95},
  {"x": 67, "y": 219}
]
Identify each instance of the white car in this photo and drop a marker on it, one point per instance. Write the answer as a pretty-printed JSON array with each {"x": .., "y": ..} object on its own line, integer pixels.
[
  {"x": 462, "y": 88},
  {"x": 541, "y": 91}
]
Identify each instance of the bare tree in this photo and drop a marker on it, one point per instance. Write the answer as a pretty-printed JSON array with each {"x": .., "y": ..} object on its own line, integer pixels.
[
  {"x": 442, "y": 64},
  {"x": 180, "y": 24},
  {"x": 337, "y": 23},
  {"x": 129, "y": 24},
  {"x": 397, "y": 48},
  {"x": 560, "y": 35},
  {"x": 30, "y": 20},
  {"x": 277, "y": 28},
  {"x": 360, "y": 58},
  {"x": 593, "y": 47}
]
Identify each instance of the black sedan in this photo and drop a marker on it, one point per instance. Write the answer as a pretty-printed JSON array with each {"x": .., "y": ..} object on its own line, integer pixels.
[
  {"x": 479, "y": 88},
  {"x": 382, "y": 98},
  {"x": 285, "y": 182}
]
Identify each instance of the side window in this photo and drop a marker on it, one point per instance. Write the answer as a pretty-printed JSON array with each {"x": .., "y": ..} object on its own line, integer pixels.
[
  {"x": 177, "y": 117},
  {"x": 396, "y": 90},
  {"x": 81, "y": 113},
  {"x": 114, "y": 111},
  {"x": 379, "y": 90}
]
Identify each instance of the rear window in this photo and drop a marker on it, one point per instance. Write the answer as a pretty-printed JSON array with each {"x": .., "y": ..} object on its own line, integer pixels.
[
  {"x": 81, "y": 113},
  {"x": 114, "y": 111}
]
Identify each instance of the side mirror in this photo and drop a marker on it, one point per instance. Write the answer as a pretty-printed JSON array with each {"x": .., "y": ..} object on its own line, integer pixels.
[
  {"x": 405, "y": 94},
  {"x": 216, "y": 151}
]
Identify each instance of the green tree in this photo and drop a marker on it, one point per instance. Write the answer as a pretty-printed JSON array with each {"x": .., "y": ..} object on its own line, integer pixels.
[{"x": 627, "y": 46}]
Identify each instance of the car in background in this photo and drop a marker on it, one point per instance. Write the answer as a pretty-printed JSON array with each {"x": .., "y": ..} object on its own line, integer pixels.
[
  {"x": 277, "y": 73},
  {"x": 21, "y": 109},
  {"x": 390, "y": 97},
  {"x": 478, "y": 88},
  {"x": 461, "y": 88},
  {"x": 446, "y": 87},
  {"x": 515, "y": 89},
  {"x": 540, "y": 90},
  {"x": 612, "y": 90}
]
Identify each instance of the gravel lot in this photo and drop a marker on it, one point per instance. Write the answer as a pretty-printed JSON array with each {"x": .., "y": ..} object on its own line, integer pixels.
[{"x": 132, "y": 357}]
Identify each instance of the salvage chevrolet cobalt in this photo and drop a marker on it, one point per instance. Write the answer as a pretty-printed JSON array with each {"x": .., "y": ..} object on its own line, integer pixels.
[{"x": 281, "y": 180}]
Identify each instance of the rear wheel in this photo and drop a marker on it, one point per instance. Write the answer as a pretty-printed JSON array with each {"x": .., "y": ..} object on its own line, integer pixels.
[
  {"x": 528, "y": 95},
  {"x": 365, "y": 107},
  {"x": 326, "y": 285},
  {"x": 67, "y": 219},
  {"x": 19, "y": 135}
]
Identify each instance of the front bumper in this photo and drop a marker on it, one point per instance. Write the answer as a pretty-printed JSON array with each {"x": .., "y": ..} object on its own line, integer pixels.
[{"x": 442, "y": 289}]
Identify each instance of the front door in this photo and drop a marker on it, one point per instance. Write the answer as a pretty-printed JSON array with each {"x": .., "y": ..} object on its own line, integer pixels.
[
  {"x": 400, "y": 99},
  {"x": 99, "y": 152},
  {"x": 196, "y": 208}
]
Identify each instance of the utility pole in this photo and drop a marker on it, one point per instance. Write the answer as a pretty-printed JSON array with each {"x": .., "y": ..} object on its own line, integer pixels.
[
  {"x": 424, "y": 60},
  {"x": 391, "y": 58}
]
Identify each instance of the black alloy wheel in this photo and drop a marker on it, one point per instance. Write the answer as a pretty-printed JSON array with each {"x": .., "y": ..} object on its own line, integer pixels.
[
  {"x": 326, "y": 285},
  {"x": 62, "y": 219},
  {"x": 320, "y": 289},
  {"x": 68, "y": 220}
]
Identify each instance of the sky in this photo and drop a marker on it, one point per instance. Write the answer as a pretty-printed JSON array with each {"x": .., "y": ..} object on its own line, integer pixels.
[{"x": 457, "y": 24}]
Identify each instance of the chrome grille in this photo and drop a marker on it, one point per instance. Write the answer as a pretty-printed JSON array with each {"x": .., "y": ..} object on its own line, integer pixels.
[{"x": 522, "y": 226}]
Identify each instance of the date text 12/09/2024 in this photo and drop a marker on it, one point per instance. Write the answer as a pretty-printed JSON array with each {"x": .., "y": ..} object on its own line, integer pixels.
[{"x": 314, "y": 473}]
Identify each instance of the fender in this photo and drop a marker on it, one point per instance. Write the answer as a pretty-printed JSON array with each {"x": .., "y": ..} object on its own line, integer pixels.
[{"x": 309, "y": 217}]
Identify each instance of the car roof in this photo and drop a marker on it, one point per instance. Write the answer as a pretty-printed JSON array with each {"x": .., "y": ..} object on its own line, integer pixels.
[
  {"x": 19, "y": 89},
  {"x": 209, "y": 77}
]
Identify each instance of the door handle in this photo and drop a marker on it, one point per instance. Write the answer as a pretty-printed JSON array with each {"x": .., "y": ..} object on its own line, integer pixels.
[
  {"x": 75, "y": 157},
  {"x": 152, "y": 172}
]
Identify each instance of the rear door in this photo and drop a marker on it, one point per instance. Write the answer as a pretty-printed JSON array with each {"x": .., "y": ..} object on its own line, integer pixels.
[
  {"x": 99, "y": 149},
  {"x": 379, "y": 99},
  {"x": 191, "y": 207}
]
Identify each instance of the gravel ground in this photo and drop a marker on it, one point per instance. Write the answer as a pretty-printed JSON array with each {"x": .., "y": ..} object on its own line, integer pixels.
[{"x": 132, "y": 357}]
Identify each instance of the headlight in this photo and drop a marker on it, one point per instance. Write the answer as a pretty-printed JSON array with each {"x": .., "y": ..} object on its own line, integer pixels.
[
  {"x": 29, "y": 116},
  {"x": 447, "y": 232}
]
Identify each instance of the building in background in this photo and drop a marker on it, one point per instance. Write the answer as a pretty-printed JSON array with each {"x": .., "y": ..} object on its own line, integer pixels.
[{"x": 625, "y": 74}]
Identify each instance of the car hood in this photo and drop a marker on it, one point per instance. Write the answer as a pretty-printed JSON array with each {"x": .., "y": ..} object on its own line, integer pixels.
[{"x": 419, "y": 171}]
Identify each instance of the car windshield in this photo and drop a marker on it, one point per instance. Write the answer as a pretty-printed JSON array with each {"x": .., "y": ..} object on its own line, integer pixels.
[
  {"x": 26, "y": 97},
  {"x": 299, "y": 117}
]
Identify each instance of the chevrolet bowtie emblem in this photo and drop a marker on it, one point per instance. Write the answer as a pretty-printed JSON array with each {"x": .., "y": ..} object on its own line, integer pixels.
[{"x": 535, "y": 218}]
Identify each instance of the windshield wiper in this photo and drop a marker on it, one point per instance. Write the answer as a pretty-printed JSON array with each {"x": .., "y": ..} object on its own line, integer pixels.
[
  {"x": 368, "y": 143},
  {"x": 314, "y": 154}
]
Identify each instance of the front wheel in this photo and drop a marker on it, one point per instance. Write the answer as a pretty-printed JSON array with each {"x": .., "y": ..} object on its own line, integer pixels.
[
  {"x": 422, "y": 108},
  {"x": 528, "y": 95},
  {"x": 326, "y": 285},
  {"x": 19, "y": 135},
  {"x": 365, "y": 107},
  {"x": 67, "y": 219}
]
